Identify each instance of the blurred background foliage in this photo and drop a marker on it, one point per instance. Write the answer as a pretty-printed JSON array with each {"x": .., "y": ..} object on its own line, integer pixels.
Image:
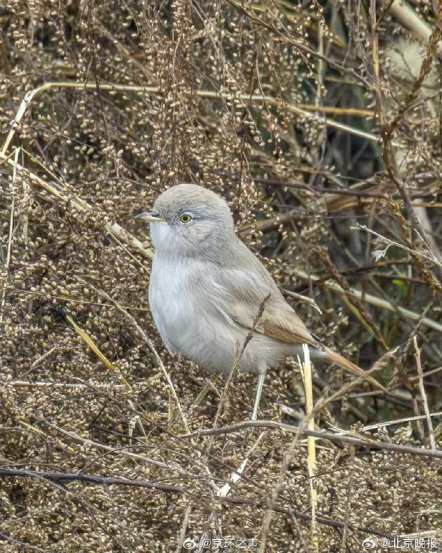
[{"x": 320, "y": 122}]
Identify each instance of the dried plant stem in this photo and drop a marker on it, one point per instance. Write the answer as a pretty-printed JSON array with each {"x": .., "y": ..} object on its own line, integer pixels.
[
  {"x": 237, "y": 475},
  {"x": 388, "y": 129},
  {"x": 92, "y": 479},
  {"x": 374, "y": 300},
  {"x": 400, "y": 421},
  {"x": 40, "y": 432},
  {"x": 85, "y": 336},
  {"x": 406, "y": 15},
  {"x": 358, "y": 304},
  {"x": 311, "y": 442},
  {"x": 155, "y": 486},
  {"x": 343, "y": 547},
  {"x": 39, "y": 384},
  {"x": 68, "y": 197},
  {"x": 302, "y": 109},
  {"x": 298, "y": 430},
  {"x": 423, "y": 393},
  {"x": 281, "y": 478},
  {"x": 429, "y": 257},
  {"x": 148, "y": 342},
  {"x": 120, "y": 451},
  {"x": 26, "y": 102},
  {"x": 183, "y": 529},
  {"x": 432, "y": 49},
  {"x": 10, "y": 236},
  {"x": 370, "y": 193}
]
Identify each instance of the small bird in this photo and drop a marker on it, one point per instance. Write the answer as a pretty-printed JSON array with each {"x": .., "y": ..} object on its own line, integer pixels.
[{"x": 208, "y": 292}]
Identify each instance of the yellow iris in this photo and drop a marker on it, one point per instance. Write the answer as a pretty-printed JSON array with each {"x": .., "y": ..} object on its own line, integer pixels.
[{"x": 185, "y": 218}]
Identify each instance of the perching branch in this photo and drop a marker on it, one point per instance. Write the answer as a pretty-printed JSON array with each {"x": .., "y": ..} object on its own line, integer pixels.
[
  {"x": 60, "y": 477},
  {"x": 346, "y": 438}
]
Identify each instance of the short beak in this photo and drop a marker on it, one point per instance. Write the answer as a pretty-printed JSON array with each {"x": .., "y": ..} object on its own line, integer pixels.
[{"x": 151, "y": 217}]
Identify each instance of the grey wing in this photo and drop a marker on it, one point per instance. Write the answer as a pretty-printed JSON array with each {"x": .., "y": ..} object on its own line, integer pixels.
[{"x": 243, "y": 297}]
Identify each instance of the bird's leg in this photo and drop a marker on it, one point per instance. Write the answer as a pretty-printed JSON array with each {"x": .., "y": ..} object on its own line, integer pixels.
[{"x": 261, "y": 379}]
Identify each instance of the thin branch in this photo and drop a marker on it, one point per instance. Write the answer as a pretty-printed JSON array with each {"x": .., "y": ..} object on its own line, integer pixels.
[
  {"x": 423, "y": 393},
  {"x": 301, "y": 109},
  {"x": 147, "y": 341},
  {"x": 346, "y": 438},
  {"x": 304, "y": 516},
  {"x": 10, "y": 236},
  {"x": 432, "y": 258},
  {"x": 374, "y": 300},
  {"x": 67, "y": 196},
  {"x": 119, "y": 451},
  {"x": 298, "y": 44},
  {"x": 55, "y": 477},
  {"x": 183, "y": 529},
  {"x": 408, "y": 17},
  {"x": 388, "y": 153},
  {"x": 238, "y": 356},
  {"x": 346, "y": 191},
  {"x": 39, "y": 384},
  {"x": 81, "y": 477},
  {"x": 399, "y": 421},
  {"x": 306, "y": 371},
  {"x": 353, "y": 298}
]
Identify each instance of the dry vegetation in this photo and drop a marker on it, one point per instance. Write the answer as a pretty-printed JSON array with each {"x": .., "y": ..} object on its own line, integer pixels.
[{"x": 320, "y": 124}]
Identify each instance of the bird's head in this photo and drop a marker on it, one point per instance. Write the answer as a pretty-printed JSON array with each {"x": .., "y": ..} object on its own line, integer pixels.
[{"x": 189, "y": 220}]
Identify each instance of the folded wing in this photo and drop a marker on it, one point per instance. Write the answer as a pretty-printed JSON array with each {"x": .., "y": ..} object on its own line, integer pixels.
[
  {"x": 243, "y": 301},
  {"x": 278, "y": 320}
]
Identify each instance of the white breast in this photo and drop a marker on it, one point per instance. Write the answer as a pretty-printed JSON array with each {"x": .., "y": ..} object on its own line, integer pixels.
[
  {"x": 169, "y": 304},
  {"x": 183, "y": 305},
  {"x": 186, "y": 311}
]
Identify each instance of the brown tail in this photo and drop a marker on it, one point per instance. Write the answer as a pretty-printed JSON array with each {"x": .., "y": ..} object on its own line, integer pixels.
[{"x": 351, "y": 367}]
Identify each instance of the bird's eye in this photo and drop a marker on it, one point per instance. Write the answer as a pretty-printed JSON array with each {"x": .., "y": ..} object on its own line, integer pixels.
[{"x": 185, "y": 218}]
